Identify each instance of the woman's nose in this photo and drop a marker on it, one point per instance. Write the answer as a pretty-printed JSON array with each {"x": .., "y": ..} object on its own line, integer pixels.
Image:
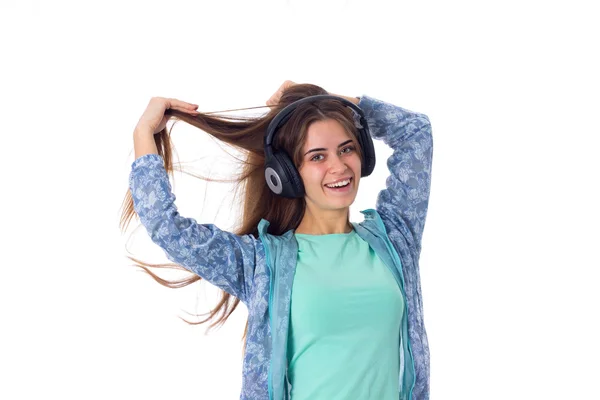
[{"x": 336, "y": 164}]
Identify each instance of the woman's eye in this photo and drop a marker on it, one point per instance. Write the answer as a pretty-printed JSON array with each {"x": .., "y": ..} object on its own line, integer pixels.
[{"x": 350, "y": 149}]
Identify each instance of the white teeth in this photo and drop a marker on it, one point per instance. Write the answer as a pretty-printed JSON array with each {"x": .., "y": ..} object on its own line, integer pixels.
[{"x": 340, "y": 184}]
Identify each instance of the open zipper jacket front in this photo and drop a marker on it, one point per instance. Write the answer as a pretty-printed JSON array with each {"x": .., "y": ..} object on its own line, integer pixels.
[{"x": 282, "y": 265}]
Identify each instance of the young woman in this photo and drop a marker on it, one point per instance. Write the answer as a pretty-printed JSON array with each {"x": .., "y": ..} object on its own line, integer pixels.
[{"x": 334, "y": 307}]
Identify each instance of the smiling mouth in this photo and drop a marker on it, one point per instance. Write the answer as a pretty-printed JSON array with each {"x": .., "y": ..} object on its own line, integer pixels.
[{"x": 340, "y": 187}]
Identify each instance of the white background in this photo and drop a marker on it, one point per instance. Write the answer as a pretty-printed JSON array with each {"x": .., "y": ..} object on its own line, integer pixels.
[{"x": 509, "y": 264}]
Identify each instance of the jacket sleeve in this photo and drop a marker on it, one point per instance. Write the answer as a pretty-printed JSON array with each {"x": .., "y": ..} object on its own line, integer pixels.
[
  {"x": 222, "y": 258},
  {"x": 404, "y": 201}
]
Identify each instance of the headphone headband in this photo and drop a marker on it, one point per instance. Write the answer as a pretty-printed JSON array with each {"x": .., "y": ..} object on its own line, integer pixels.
[{"x": 285, "y": 114}]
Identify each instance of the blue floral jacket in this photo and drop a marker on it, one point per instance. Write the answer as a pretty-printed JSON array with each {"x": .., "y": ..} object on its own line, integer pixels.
[{"x": 260, "y": 271}]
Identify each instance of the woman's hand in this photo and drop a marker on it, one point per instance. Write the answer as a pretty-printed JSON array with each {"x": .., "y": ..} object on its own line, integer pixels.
[
  {"x": 273, "y": 100},
  {"x": 154, "y": 119}
]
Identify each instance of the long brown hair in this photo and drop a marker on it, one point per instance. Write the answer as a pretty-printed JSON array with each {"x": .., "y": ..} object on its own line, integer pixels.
[{"x": 247, "y": 135}]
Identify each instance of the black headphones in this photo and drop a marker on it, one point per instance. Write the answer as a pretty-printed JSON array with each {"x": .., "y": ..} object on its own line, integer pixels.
[{"x": 280, "y": 173}]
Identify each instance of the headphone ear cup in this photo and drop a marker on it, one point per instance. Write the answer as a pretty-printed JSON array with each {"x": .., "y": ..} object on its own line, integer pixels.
[
  {"x": 283, "y": 177},
  {"x": 293, "y": 186}
]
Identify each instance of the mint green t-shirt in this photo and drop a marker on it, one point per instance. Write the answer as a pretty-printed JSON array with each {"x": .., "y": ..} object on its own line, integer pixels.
[{"x": 346, "y": 310}]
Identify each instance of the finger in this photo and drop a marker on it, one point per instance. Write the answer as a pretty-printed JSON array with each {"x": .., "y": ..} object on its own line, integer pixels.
[
  {"x": 183, "y": 108},
  {"x": 186, "y": 110},
  {"x": 175, "y": 103}
]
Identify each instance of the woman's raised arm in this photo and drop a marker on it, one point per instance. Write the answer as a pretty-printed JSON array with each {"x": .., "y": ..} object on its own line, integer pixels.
[
  {"x": 405, "y": 199},
  {"x": 224, "y": 259}
]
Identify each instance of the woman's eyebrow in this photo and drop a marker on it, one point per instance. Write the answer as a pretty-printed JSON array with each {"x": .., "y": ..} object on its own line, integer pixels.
[{"x": 322, "y": 149}]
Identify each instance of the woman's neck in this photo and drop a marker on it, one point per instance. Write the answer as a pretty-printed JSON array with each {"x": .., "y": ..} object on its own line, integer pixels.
[{"x": 325, "y": 222}]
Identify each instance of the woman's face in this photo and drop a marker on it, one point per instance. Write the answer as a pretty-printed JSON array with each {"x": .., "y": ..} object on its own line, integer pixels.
[{"x": 329, "y": 155}]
